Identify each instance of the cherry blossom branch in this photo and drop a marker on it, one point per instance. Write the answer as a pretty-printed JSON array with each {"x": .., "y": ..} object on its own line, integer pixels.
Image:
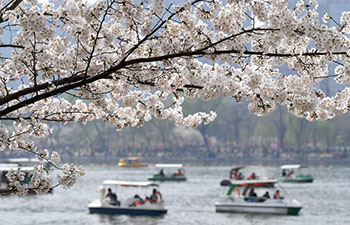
[
  {"x": 159, "y": 58},
  {"x": 80, "y": 80},
  {"x": 40, "y": 156},
  {"x": 199, "y": 52},
  {"x": 130, "y": 51},
  {"x": 202, "y": 52},
  {"x": 96, "y": 38},
  {"x": 322, "y": 77},
  {"x": 10, "y": 6}
]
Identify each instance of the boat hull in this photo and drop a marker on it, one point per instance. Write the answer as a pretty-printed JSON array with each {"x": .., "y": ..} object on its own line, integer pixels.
[
  {"x": 133, "y": 165},
  {"x": 260, "y": 209},
  {"x": 296, "y": 180},
  {"x": 146, "y": 209},
  {"x": 128, "y": 211}
]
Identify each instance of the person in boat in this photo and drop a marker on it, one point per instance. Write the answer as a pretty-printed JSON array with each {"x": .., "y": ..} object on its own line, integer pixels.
[
  {"x": 252, "y": 176},
  {"x": 291, "y": 172},
  {"x": 284, "y": 173},
  {"x": 138, "y": 198},
  {"x": 266, "y": 195},
  {"x": 156, "y": 196},
  {"x": 233, "y": 174},
  {"x": 137, "y": 201},
  {"x": 240, "y": 176},
  {"x": 148, "y": 199},
  {"x": 252, "y": 195},
  {"x": 113, "y": 200},
  {"x": 178, "y": 173},
  {"x": 277, "y": 195},
  {"x": 161, "y": 173}
]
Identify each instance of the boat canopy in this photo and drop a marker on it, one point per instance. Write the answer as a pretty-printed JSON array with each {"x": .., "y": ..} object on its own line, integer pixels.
[
  {"x": 2, "y": 165},
  {"x": 133, "y": 158},
  {"x": 237, "y": 168},
  {"x": 296, "y": 166},
  {"x": 22, "y": 160},
  {"x": 8, "y": 167},
  {"x": 130, "y": 183},
  {"x": 169, "y": 165}
]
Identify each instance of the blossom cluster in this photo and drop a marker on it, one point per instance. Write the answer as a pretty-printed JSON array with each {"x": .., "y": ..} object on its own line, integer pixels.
[
  {"x": 15, "y": 185},
  {"x": 70, "y": 174},
  {"x": 128, "y": 61}
]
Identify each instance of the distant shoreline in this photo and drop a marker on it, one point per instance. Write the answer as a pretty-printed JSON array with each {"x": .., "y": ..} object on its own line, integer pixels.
[{"x": 214, "y": 161}]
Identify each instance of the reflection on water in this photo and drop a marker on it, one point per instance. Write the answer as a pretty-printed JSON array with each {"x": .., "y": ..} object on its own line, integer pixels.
[{"x": 325, "y": 200}]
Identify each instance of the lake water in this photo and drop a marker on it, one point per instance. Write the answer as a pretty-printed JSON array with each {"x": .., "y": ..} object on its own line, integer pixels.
[{"x": 325, "y": 201}]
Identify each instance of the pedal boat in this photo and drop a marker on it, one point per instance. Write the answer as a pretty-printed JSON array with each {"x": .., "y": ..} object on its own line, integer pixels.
[
  {"x": 259, "y": 205},
  {"x": 295, "y": 177},
  {"x": 126, "y": 207},
  {"x": 132, "y": 162},
  {"x": 177, "y": 175},
  {"x": 257, "y": 182}
]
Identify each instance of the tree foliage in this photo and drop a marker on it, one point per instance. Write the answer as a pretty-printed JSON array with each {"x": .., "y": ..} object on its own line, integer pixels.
[{"x": 128, "y": 61}]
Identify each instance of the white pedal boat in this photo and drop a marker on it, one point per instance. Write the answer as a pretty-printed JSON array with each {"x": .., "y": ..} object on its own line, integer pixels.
[
  {"x": 242, "y": 203},
  {"x": 127, "y": 206}
]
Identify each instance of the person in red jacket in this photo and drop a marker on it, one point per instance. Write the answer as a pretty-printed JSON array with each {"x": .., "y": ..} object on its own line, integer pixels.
[{"x": 252, "y": 176}]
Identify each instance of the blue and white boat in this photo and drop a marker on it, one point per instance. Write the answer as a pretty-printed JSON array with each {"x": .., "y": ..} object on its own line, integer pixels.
[{"x": 134, "y": 205}]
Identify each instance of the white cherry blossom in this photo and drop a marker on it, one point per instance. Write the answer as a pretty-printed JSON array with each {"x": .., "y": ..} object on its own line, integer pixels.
[{"x": 126, "y": 62}]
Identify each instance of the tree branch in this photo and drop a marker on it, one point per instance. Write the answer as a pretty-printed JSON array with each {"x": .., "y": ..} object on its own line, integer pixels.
[
  {"x": 9, "y": 6},
  {"x": 78, "y": 80},
  {"x": 10, "y": 46}
]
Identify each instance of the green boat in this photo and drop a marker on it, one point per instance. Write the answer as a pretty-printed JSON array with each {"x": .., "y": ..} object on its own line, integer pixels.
[
  {"x": 289, "y": 176},
  {"x": 177, "y": 175}
]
